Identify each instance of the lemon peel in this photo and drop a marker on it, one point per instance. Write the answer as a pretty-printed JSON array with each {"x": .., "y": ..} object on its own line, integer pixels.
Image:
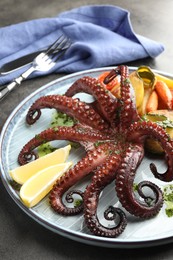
[
  {"x": 40, "y": 184},
  {"x": 22, "y": 173}
]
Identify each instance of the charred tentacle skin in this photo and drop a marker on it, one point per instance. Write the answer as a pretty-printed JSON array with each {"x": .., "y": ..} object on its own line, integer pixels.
[
  {"x": 139, "y": 131},
  {"x": 127, "y": 107},
  {"x": 105, "y": 100},
  {"x": 84, "y": 167},
  {"x": 76, "y": 134},
  {"x": 128, "y": 111},
  {"x": 73, "y": 107},
  {"x": 124, "y": 186},
  {"x": 103, "y": 176},
  {"x": 113, "y": 136}
]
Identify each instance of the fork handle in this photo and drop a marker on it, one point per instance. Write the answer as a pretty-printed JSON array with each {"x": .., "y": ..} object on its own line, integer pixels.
[
  {"x": 7, "y": 90},
  {"x": 15, "y": 82}
]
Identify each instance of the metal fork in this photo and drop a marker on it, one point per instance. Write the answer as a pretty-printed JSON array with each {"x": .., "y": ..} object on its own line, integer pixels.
[{"x": 43, "y": 62}]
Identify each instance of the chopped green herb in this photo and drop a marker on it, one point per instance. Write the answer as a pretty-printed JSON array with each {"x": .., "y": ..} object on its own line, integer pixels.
[
  {"x": 55, "y": 128},
  {"x": 44, "y": 149},
  {"x": 96, "y": 144},
  {"x": 58, "y": 119},
  {"x": 126, "y": 81},
  {"x": 61, "y": 119},
  {"x": 163, "y": 123},
  {"x": 77, "y": 203},
  {"x": 74, "y": 145},
  {"x": 169, "y": 209},
  {"x": 135, "y": 186},
  {"x": 38, "y": 137},
  {"x": 149, "y": 201},
  {"x": 168, "y": 198}
]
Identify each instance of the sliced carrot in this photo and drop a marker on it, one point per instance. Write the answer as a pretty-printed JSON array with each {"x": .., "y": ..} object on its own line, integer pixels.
[
  {"x": 116, "y": 90},
  {"x": 167, "y": 80},
  {"x": 111, "y": 84},
  {"x": 164, "y": 93},
  {"x": 152, "y": 103},
  {"x": 162, "y": 104}
]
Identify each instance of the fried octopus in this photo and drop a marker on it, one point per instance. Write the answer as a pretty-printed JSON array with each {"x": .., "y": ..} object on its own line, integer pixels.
[{"x": 113, "y": 136}]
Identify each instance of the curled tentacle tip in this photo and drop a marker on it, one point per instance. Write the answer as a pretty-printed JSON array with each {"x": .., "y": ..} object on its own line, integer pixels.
[
  {"x": 153, "y": 169},
  {"x": 167, "y": 176},
  {"x": 33, "y": 116},
  {"x": 26, "y": 157},
  {"x": 112, "y": 212}
]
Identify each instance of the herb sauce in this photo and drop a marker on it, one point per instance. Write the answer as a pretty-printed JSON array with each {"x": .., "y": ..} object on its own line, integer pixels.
[{"x": 58, "y": 119}]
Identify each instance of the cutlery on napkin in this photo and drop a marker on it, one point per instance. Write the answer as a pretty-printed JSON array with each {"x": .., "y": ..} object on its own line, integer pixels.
[
  {"x": 13, "y": 65},
  {"x": 44, "y": 62},
  {"x": 102, "y": 36}
]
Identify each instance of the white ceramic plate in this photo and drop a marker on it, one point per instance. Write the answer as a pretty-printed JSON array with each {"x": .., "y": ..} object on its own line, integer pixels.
[{"x": 16, "y": 133}]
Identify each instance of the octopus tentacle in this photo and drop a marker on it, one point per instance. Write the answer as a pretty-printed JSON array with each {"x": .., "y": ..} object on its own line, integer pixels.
[
  {"x": 113, "y": 136},
  {"x": 124, "y": 186},
  {"x": 72, "y": 107},
  {"x": 128, "y": 112},
  {"x": 139, "y": 131},
  {"x": 72, "y": 176},
  {"x": 104, "y": 175},
  {"x": 59, "y": 133},
  {"x": 106, "y": 102}
]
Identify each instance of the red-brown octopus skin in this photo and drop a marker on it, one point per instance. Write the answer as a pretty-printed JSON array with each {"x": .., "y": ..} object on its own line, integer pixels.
[
  {"x": 76, "y": 134},
  {"x": 72, "y": 107},
  {"x": 105, "y": 103},
  {"x": 105, "y": 175},
  {"x": 87, "y": 165},
  {"x": 139, "y": 131},
  {"x": 129, "y": 131},
  {"x": 125, "y": 190}
]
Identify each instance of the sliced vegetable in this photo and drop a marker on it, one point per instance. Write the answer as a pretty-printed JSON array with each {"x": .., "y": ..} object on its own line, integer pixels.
[
  {"x": 168, "y": 81},
  {"x": 164, "y": 92},
  {"x": 162, "y": 119},
  {"x": 142, "y": 108},
  {"x": 116, "y": 90},
  {"x": 111, "y": 84},
  {"x": 148, "y": 77},
  {"x": 154, "y": 117},
  {"x": 152, "y": 103},
  {"x": 164, "y": 112},
  {"x": 138, "y": 86},
  {"x": 153, "y": 146}
]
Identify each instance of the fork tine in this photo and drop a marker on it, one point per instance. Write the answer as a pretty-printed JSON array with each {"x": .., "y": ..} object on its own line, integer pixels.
[
  {"x": 63, "y": 50},
  {"x": 43, "y": 62},
  {"x": 64, "y": 46},
  {"x": 56, "y": 44}
]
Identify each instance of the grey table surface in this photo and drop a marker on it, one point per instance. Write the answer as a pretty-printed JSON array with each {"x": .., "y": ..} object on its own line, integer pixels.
[{"x": 20, "y": 236}]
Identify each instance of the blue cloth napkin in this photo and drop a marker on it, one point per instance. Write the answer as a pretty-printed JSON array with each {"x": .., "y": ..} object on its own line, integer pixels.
[{"x": 102, "y": 35}]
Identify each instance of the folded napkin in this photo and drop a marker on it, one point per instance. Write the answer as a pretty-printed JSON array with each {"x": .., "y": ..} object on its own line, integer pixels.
[{"x": 102, "y": 35}]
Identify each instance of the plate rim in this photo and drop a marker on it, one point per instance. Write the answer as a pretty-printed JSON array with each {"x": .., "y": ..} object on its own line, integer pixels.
[{"x": 71, "y": 234}]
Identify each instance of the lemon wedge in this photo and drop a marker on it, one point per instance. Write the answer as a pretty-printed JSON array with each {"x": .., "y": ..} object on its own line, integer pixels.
[
  {"x": 40, "y": 184},
  {"x": 23, "y": 173}
]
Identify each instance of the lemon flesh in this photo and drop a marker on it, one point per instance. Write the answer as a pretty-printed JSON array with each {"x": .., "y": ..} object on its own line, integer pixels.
[
  {"x": 23, "y": 173},
  {"x": 40, "y": 184}
]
